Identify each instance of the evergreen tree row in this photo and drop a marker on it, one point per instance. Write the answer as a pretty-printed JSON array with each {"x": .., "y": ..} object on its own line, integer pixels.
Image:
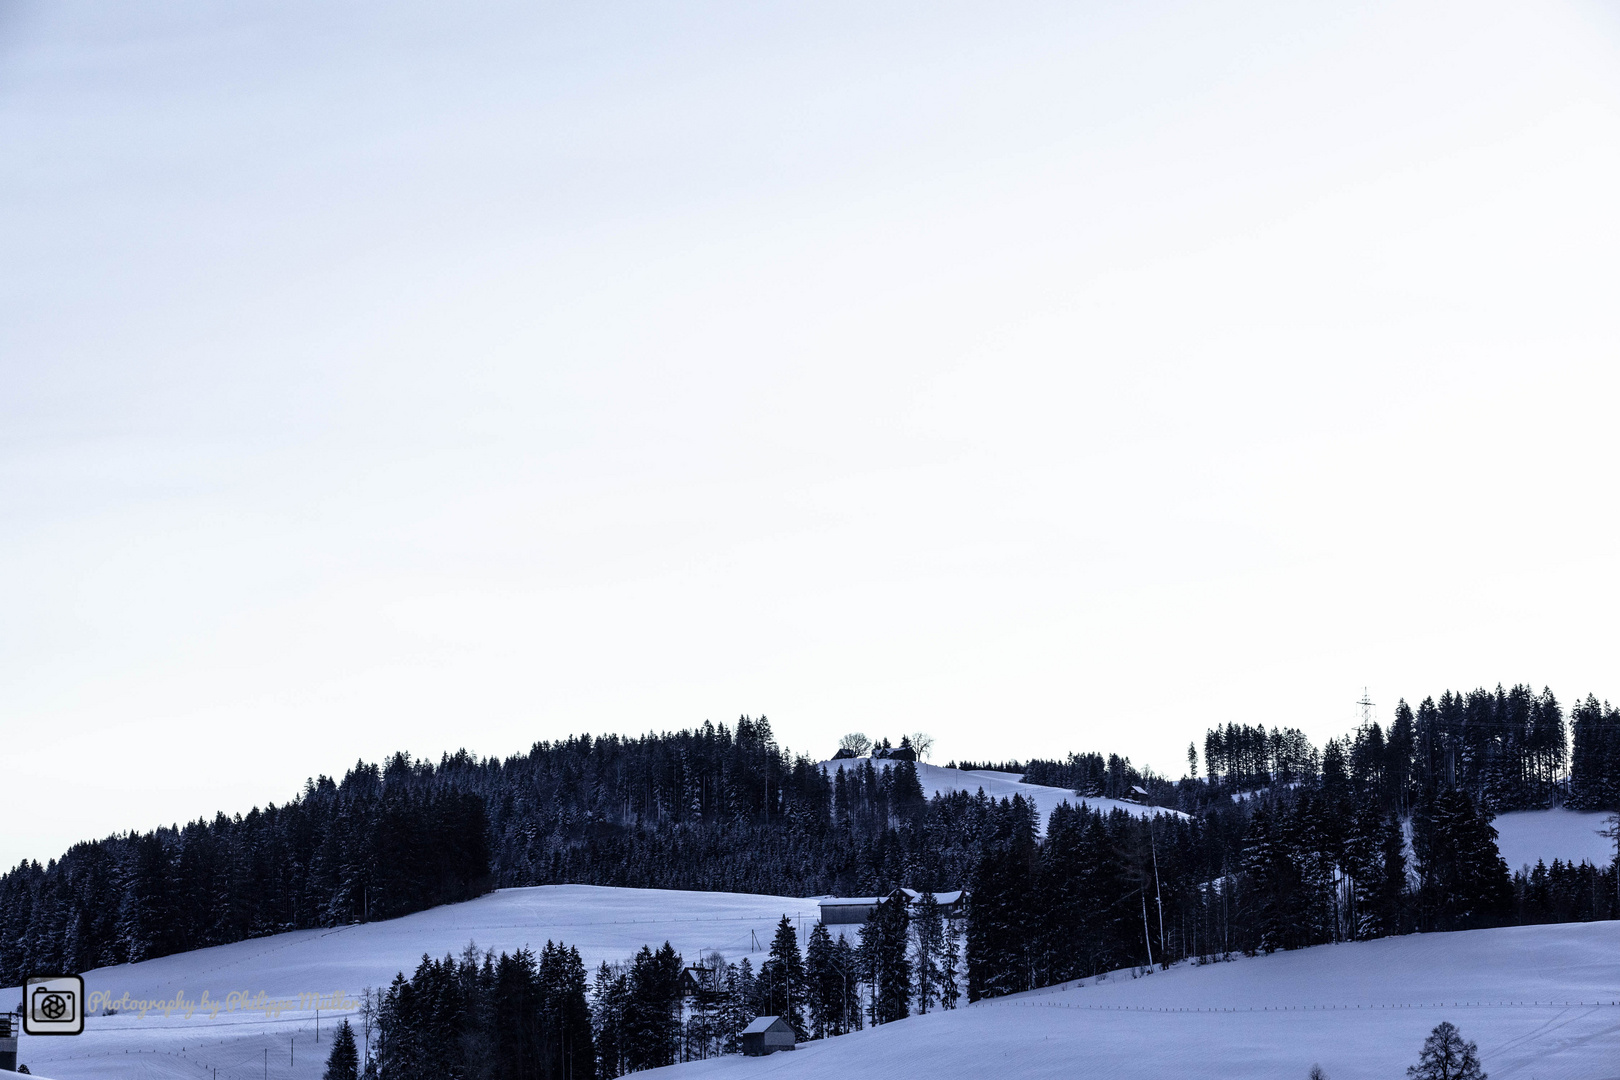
[
  {"x": 377, "y": 846},
  {"x": 516, "y": 1017},
  {"x": 1288, "y": 868},
  {"x": 483, "y": 1018}
]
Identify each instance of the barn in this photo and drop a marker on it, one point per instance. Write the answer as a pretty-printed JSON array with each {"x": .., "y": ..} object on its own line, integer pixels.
[
  {"x": 767, "y": 1035},
  {"x": 846, "y": 910}
]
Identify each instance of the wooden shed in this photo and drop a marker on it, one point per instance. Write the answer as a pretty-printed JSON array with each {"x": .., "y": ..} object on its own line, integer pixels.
[{"x": 767, "y": 1035}]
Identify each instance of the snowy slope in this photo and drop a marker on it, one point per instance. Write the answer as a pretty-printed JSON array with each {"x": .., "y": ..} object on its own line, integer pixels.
[
  {"x": 937, "y": 779},
  {"x": 604, "y": 923},
  {"x": 1570, "y": 835},
  {"x": 1360, "y": 1010}
]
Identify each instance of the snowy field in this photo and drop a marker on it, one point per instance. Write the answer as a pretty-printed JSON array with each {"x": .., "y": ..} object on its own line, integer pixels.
[
  {"x": 603, "y": 923},
  {"x": 1542, "y": 1002},
  {"x": 936, "y": 780},
  {"x": 1570, "y": 835},
  {"x": 1529, "y": 996},
  {"x": 1359, "y": 1010}
]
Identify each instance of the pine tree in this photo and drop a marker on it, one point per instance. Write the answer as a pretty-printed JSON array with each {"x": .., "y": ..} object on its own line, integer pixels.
[
  {"x": 1446, "y": 1056},
  {"x": 950, "y": 992},
  {"x": 849, "y": 970},
  {"x": 987, "y": 928},
  {"x": 783, "y": 975},
  {"x": 736, "y": 1009},
  {"x": 929, "y": 935},
  {"x": 824, "y": 988},
  {"x": 515, "y": 1008},
  {"x": 886, "y": 961},
  {"x": 610, "y": 994},
  {"x": 1058, "y": 937},
  {"x": 1363, "y": 861},
  {"x": 651, "y": 1010},
  {"x": 1275, "y": 881},
  {"x": 566, "y": 1044},
  {"x": 1390, "y": 896},
  {"x": 1465, "y": 880},
  {"x": 343, "y": 1063}
]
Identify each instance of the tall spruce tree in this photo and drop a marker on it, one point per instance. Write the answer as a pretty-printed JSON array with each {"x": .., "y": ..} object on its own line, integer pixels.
[
  {"x": 950, "y": 991},
  {"x": 1466, "y": 883},
  {"x": 343, "y": 1063},
  {"x": 610, "y": 993},
  {"x": 885, "y": 957},
  {"x": 824, "y": 990},
  {"x": 652, "y": 1009},
  {"x": 738, "y": 1010},
  {"x": 783, "y": 975},
  {"x": 928, "y": 934}
]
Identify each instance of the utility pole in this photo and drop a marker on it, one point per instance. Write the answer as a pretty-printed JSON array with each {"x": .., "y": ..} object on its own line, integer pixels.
[
  {"x": 1146, "y": 940},
  {"x": 1158, "y": 893},
  {"x": 1366, "y": 708}
]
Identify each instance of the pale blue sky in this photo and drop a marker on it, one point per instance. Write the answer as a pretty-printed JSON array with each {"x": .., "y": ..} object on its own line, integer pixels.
[{"x": 1044, "y": 376}]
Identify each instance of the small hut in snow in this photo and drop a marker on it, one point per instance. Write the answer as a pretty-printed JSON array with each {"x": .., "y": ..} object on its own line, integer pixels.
[{"x": 767, "y": 1035}]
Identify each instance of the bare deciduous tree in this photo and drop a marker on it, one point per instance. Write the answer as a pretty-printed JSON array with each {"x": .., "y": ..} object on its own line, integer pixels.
[{"x": 1446, "y": 1056}]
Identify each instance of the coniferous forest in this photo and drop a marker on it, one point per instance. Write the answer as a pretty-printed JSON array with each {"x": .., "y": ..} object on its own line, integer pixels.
[{"x": 1278, "y": 844}]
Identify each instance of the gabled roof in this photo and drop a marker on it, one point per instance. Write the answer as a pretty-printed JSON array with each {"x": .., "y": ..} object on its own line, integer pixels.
[
  {"x": 763, "y": 1024},
  {"x": 944, "y": 899}
]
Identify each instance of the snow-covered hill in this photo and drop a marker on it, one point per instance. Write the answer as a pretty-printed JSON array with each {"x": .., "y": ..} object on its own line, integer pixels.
[
  {"x": 1542, "y": 1002},
  {"x": 1570, "y": 835},
  {"x": 936, "y": 779},
  {"x": 1360, "y": 1010},
  {"x": 604, "y": 923}
]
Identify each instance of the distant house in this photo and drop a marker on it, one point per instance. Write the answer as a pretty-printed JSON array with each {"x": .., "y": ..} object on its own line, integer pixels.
[
  {"x": 902, "y": 753},
  {"x": 838, "y": 910},
  {"x": 843, "y": 753},
  {"x": 767, "y": 1035},
  {"x": 695, "y": 979}
]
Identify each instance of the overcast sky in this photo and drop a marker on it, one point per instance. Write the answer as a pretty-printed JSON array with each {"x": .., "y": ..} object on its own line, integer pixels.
[{"x": 1047, "y": 377}]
